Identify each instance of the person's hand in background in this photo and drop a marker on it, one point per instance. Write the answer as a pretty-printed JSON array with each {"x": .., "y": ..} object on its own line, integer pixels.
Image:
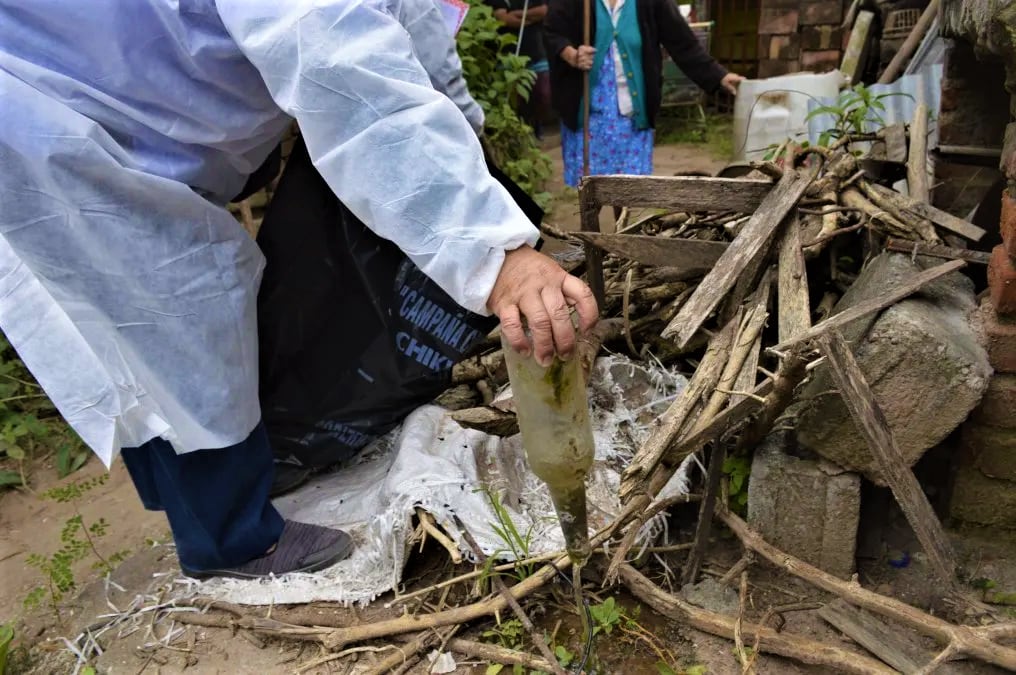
[{"x": 730, "y": 82}]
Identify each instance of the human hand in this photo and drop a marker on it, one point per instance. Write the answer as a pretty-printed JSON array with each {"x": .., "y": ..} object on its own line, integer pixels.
[
  {"x": 533, "y": 286},
  {"x": 730, "y": 82},
  {"x": 580, "y": 58}
]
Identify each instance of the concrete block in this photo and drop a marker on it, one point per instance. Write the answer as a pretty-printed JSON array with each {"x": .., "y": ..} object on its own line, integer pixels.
[
  {"x": 777, "y": 21},
  {"x": 992, "y": 450},
  {"x": 998, "y": 407},
  {"x": 922, "y": 358},
  {"x": 981, "y": 500},
  {"x": 1002, "y": 281},
  {"x": 820, "y": 61},
  {"x": 806, "y": 507},
  {"x": 821, "y": 11},
  {"x": 998, "y": 337}
]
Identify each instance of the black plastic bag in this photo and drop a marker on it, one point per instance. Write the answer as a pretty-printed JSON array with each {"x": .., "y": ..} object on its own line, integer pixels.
[{"x": 352, "y": 335}]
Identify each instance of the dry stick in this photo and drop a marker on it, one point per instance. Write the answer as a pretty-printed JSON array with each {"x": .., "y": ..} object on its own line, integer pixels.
[
  {"x": 783, "y": 644},
  {"x": 917, "y": 160},
  {"x": 735, "y": 571},
  {"x": 747, "y": 664},
  {"x": 854, "y": 198},
  {"x": 752, "y": 239},
  {"x": 675, "y": 418},
  {"x": 915, "y": 248},
  {"x": 933, "y": 665},
  {"x": 405, "y": 654},
  {"x": 969, "y": 641},
  {"x": 512, "y": 602},
  {"x": 636, "y": 526},
  {"x": 625, "y": 313},
  {"x": 818, "y": 241},
  {"x": 924, "y": 210},
  {"x": 882, "y": 200},
  {"x": 872, "y": 424},
  {"x": 496, "y": 654},
  {"x": 430, "y": 527},
  {"x": 903, "y": 290}
]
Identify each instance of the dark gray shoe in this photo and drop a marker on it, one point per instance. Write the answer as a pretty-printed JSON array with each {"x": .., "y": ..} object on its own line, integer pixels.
[{"x": 301, "y": 548}]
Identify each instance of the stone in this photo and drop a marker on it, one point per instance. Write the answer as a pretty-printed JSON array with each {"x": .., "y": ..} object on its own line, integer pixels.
[
  {"x": 998, "y": 407},
  {"x": 777, "y": 21},
  {"x": 998, "y": 337},
  {"x": 981, "y": 500},
  {"x": 922, "y": 358},
  {"x": 820, "y": 61},
  {"x": 992, "y": 450},
  {"x": 821, "y": 37},
  {"x": 1002, "y": 281},
  {"x": 805, "y": 506},
  {"x": 821, "y": 11},
  {"x": 712, "y": 595}
]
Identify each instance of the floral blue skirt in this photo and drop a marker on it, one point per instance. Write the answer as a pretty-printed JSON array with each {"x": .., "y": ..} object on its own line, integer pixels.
[{"x": 615, "y": 144}]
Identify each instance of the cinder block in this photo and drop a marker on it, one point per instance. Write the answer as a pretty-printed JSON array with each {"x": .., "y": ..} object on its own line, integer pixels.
[
  {"x": 820, "y": 61},
  {"x": 998, "y": 407},
  {"x": 809, "y": 508},
  {"x": 777, "y": 21},
  {"x": 992, "y": 450},
  {"x": 1002, "y": 281},
  {"x": 981, "y": 500},
  {"x": 821, "y": 11}
]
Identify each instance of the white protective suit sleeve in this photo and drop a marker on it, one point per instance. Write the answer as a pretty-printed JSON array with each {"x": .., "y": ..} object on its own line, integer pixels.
[
  {"x": 398, "y": 153},
  {"x": 435, "y": 49}
]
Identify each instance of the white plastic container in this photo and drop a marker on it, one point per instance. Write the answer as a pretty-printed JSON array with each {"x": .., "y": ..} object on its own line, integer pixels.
[{"x": 770, "y": 111}]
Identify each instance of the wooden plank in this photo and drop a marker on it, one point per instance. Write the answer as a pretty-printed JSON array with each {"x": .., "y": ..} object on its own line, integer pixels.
[
  {"x": 917, "y": 161},
  {"x": 937, "y": 251},
  {"x": 875, "y": 636},
  {"x": 872, "y": 424},
  {"x": 683, "y": 254},
  {"x": 739, "y": 255},
  {"x": 895, "y": 139},
  {"x": 688, "y": 193},
  {"x": 946, "y": 221},
  {"x": 589, "y": 212},
  {"x": 792, "y": 285},
  {"x": 857, "y": 47},
  {"x": 905, "y": 289}
]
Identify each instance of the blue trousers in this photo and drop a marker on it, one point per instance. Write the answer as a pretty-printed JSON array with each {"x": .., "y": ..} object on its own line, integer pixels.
[{"x": 216, "y": 501}]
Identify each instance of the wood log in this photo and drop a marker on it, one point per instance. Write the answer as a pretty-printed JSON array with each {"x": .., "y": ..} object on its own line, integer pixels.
[
  {"x": 875, "y": 636},
  {"x": 480, "y": 367},
  {"x": 937, "y": 251},
  {"x": 886, "y": 221},
  {"x": 488, "y": 420},
  {"x": 917, "y": 159},
  {"x": 872, "y": 424},
  {"x": 677, "y": 192},
  {"x": 794, "y": 316},
  {"x": 495, "y": 654},
  {"x": 693, "y": 255},
  {"x": 739, "y": 255},
  {"x": 589, "y": 214},
  {"x": 890, "y": 297},
  {"x": 946, "y": 221},
  {"x": 770, "y": 641},
  {"x": 889, "y": 200}
]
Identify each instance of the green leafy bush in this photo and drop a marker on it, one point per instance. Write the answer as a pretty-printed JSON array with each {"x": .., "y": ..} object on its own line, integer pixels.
[{"x": 498, "y": 80}]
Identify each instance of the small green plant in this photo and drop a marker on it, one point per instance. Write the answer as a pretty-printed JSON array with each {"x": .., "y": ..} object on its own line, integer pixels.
[
  {"x": 606, "y": 616},
  {"x": 498, "y": 79},
  {"x": 510, "y": 635},
  {"x": 737, "y": 470},
  {"x": 855, "y": 112},
  {"x": 77, "y": 541},
  {"x": 6, "y": 642},
  {"x": 514, "y": 541}
]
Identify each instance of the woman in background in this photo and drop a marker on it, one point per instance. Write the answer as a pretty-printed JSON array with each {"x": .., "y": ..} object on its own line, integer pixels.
[{"x": 625, "y": 64}]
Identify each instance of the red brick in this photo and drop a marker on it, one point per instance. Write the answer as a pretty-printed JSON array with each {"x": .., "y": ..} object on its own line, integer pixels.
[
  {"x": 781, "y": 47},
  {"x": 1008, "y": 163},
  {"x": 821, "y": 11},
  {"x": 1002, "y": 281},
  {"x": 993, "y": 450},
  {"x": 775, "y": 68},
  {"x": 821, "y": 37},
  {"x": 999, "y": 339},
  {"x": 821, "y": 61},
  {"x": 774, "y": 21},
  {"x": 998, "y": 408},
  {"x": 1008, "y": 223}
]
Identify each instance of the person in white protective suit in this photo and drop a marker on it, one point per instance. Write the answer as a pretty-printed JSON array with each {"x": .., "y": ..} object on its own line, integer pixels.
[{"x": 129, "y": 290}]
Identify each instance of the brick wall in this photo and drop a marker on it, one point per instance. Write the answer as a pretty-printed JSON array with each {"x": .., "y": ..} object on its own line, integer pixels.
[{"x": 796, "y": 35}]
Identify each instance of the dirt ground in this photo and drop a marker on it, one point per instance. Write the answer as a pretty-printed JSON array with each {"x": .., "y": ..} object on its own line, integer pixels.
[{"x": 29, "y": 524}]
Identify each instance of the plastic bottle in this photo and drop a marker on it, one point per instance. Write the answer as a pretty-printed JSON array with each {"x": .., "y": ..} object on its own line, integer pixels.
[{"x": 553, "y": 414}]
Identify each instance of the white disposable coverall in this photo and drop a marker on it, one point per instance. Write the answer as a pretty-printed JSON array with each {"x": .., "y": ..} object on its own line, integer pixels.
[{"x": 125, "y": 286}]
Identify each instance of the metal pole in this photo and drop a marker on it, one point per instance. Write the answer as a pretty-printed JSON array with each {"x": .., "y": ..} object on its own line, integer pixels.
[{"x": 522, "y": 28}]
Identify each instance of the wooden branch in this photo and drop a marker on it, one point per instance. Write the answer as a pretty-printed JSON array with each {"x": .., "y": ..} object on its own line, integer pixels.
[
  {"x": 714, "y": 474},
  {"x": 687, "y": 193},
  {"x": 890, "y": 201},
  {"x": 489, "y": 420},
  {"x": 854, "y": 198},
  {"x": 794, "y": 314},
  {"x": 431, "y": 528},
  {"x": 970, "y": 641},
  {"x": 903, "y": 290},
  {"x": 946, "y": 221},
  {"x": 692, "y": 256},
  {"x": 793, "y": 369},
  {"x": 872, "y": 424},
  {"x": 937, "y": 251},
  {"x": 480, "y": 367},
  {"x": 753, "y": 238},
  {"x": 784, "y": 644},
  {"x": 871, "y": 634},
  {"x": 495, "y": 654},
  {"x": 674, "y": 419},
  {"x": 917, "y": 159}
]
